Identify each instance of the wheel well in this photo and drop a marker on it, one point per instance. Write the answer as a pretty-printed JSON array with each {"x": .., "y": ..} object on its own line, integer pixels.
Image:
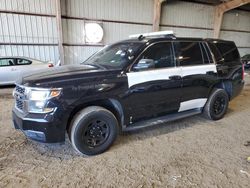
[
  {"x": 227, "y": 86},
  {"x": 112, "y": 105}
]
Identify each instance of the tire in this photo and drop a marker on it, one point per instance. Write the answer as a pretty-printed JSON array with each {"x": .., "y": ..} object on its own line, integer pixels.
[
  {"x": 93, "y": 130},
  {"x": 216, "y": 105}
]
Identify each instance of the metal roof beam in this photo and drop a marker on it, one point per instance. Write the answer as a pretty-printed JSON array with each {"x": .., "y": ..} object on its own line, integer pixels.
[
  {"x": 232, "y": 5},
  {"x": 221, "y": 9}
]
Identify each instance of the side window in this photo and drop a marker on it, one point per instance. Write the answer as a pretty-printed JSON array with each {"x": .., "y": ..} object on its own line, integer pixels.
[
  {"x": 217, "y": 56},
  {"x": 228, "y": 51},
  {"x": 207, "y": 57},
  {"x": 6, "y": 62},
  {"x": 23, "y": 62},
  {"x": 188, "y": 53},
  {"x": 161, "y": 55}
]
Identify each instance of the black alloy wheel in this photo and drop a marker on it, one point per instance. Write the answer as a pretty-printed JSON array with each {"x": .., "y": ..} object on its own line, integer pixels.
[
  {"x": 96, "y": 133},
  {"x": 93, "y": 130},
  {"x": 216, "y": 105},
  {"x": 219, "y": 105}
]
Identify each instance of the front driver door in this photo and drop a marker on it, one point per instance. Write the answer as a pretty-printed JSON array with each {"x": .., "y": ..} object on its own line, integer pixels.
[{"x": 154, "y": 91}]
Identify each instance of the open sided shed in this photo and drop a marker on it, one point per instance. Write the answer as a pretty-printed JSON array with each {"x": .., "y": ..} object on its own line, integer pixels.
[{"x": 47, "y": 29}]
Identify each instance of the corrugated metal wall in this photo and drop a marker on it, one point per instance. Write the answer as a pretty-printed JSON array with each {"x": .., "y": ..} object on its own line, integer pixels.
[
  {"x": 196, "y": 20},
  {"x": 119, "y": 19},
  {"x": 28, "y": 28},
  {"x": 187, "y": 19}
]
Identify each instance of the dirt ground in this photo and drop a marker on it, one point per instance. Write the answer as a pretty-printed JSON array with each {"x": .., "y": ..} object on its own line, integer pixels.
[{"x": 193, "y": 152}]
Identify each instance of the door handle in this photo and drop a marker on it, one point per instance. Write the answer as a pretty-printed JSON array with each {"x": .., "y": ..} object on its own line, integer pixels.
[
  {"x": 13, "y": 69},
  {"x": 175, "y": 77}
]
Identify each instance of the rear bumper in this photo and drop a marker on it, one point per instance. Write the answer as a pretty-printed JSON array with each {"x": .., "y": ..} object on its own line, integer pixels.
[{"x": 40, "y": 127}]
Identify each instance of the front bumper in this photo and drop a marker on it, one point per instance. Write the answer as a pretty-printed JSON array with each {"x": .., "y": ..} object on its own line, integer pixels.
[{"x": 40, "y": 127}]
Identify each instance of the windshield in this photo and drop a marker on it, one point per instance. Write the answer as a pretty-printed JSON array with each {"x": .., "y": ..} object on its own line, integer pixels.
[{"x": 115, "y": 56}]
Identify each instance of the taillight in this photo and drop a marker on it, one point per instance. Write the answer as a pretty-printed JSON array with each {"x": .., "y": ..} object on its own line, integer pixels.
[{"x": 50, "y": 65}]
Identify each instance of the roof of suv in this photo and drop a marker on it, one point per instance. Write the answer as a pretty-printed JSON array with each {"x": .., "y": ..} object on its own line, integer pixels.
[{"x": 162, "y": 38}]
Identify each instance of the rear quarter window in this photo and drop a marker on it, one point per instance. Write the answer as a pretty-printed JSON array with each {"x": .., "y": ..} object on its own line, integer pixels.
[
  {"x": 23, "y": 62},
  {"x": 229, "y": 52}
]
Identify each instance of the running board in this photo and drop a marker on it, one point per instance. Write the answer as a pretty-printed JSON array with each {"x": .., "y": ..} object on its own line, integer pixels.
[{"x": 162, "y": 119}]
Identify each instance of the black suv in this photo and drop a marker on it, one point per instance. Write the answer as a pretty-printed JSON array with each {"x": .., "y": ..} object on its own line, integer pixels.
[{"x": 128, "y": 85}]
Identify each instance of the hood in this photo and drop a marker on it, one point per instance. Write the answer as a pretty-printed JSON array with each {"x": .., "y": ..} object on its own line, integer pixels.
[{"x": 48, "y": 76}]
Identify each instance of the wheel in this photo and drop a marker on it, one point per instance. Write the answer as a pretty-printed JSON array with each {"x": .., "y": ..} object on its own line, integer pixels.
[
  {"x": 93, "y": 130},
  {"x": 216, "y": 105}
]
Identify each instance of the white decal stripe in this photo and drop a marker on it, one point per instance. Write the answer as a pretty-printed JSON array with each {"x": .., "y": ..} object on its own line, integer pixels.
[
  {"x": 200, "y": 69},
  {"x": 152, "y": 75},
  {"x": 192, "y": 104},
  {"x": 164, "y": 74}
]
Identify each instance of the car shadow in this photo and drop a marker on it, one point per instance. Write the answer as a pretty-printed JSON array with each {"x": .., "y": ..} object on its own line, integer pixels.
[
  {"x": 160, "y": 129},
  {"x": 64, "y": 151}
]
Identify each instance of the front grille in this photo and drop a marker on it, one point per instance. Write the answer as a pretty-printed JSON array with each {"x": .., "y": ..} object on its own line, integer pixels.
[
  {"x": 19, "y": 95},
  {"x": 20, "y": 89},
  {"x": 19, "y": 104}
]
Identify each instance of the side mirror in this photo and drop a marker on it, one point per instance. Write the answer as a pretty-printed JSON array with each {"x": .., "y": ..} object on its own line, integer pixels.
[{"x": 144, "y": 64}]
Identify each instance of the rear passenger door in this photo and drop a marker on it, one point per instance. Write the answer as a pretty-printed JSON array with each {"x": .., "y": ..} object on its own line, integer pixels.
[
  {"x": 198, "y": 73},
  {"x": 154, "y": 91}
]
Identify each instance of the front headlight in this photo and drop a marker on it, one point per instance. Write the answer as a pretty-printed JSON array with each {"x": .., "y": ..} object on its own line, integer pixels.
[
  {"x": 37, "y": 99},
  {"x": 38, "y": 95}
]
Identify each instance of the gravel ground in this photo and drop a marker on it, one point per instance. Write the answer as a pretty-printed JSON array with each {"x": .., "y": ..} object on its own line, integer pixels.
[{"x": 193, "y": 152}]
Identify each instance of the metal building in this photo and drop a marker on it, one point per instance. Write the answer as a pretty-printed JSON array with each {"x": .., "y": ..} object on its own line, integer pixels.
[{"x": 29, "y": 27}]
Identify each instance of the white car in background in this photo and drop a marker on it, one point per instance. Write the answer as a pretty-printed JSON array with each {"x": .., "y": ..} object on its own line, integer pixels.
[{"x": 11, "y": 68}]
